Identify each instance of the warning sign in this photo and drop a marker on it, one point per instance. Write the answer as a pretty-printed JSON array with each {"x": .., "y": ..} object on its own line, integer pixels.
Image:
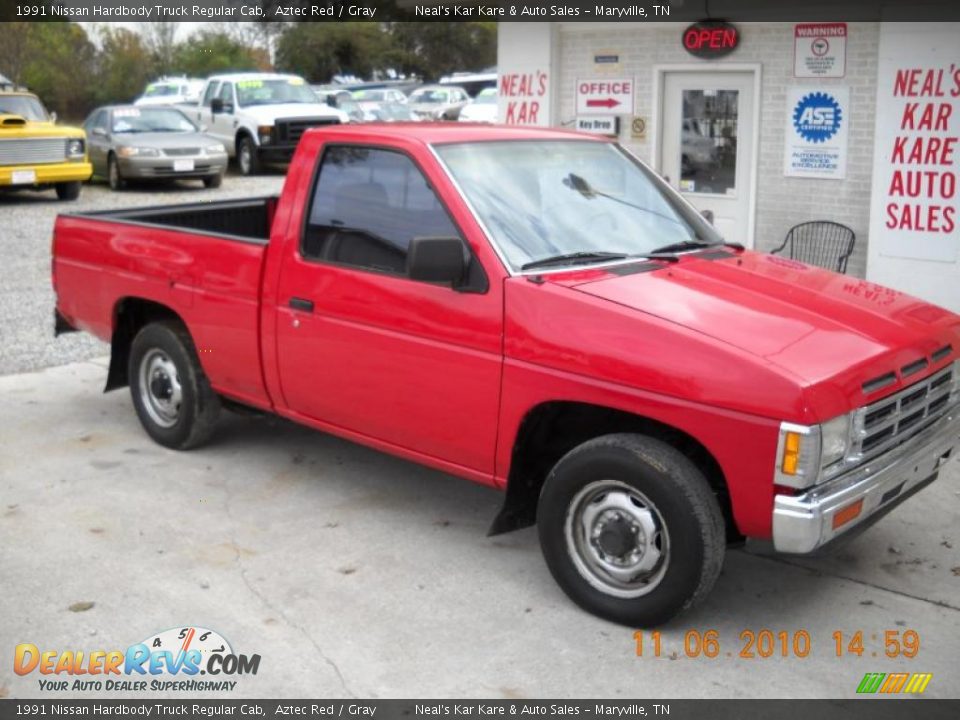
[
  {"x": 602, "y": 97},
  {"x": 820, "y": 50}
]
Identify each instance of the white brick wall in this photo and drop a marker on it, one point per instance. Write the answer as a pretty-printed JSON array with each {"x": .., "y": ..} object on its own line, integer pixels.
[{"x": 781, "y": 201}]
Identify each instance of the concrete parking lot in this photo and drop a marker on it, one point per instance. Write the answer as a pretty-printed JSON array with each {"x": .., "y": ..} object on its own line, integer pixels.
[{"x": 352, "y": 573}]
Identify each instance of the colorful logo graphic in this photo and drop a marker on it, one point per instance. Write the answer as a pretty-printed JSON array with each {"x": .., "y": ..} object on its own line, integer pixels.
[
  {"x": 913, "y": 683},
  {"x": 175, "y": 653},
  {"x": 817, "y": 117}
]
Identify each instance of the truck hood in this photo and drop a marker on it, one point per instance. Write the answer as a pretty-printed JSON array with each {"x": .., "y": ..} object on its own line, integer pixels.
[
  {"x": 16, "y": 126},
  {"x": 268, "y": 114},
  {"x": 817, "y": 325}
]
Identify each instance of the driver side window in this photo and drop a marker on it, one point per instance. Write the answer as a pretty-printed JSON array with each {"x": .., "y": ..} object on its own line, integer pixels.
[{"x": 367, "y": 206}]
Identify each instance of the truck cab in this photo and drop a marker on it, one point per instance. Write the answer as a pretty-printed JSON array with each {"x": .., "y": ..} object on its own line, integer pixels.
[
  {"x": 260, "y": 117},
  {"x": 35, "y": 152}
]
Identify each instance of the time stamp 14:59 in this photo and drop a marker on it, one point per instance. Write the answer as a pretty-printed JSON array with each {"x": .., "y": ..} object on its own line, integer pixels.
[{"x": 780, "y": 643}]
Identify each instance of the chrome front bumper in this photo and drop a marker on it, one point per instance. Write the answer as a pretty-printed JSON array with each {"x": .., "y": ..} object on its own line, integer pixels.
[{"x": 804, "y": 523}]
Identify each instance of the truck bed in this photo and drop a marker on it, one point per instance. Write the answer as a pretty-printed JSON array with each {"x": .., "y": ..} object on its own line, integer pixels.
[
  {"x": 203, "y": 261},
  {"x": 247, "y": 219}
]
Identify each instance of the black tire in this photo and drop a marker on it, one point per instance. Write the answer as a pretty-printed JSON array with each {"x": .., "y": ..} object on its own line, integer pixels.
[
  {"x": 164, "y": 353},
  {"x": 247, "y": 160},
  {"x": 213, "y": 181},
  {"x": 68, "y": 190},
  {"x": 661, "y": 488},
  {"x": 114, "y": 178}
]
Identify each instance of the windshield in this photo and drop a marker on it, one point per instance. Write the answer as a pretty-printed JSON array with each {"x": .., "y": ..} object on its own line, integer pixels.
[
  {"x": 546, "y": 199},
  {"x": 147, "y": 120},
  {"x": 28, "y": 107},
  {"x": 161, "y": 90},
  {"x": 429, "y": 96},
  {"x": 274, "y": 92},
  {"x": 370, "y": 95},
  {"x": 486, "y": 97}
]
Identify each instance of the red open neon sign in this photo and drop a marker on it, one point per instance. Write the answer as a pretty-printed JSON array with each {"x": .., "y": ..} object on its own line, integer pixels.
[{"x": 711, "y": 38}]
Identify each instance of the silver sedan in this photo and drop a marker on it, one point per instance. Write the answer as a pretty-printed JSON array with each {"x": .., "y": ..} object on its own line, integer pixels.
[{"x": 151, "y": 143}]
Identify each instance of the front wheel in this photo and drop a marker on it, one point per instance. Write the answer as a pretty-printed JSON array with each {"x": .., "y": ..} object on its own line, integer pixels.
[
  {"x": 68, "y": 190},
  {"x": 630, "y": 529},
  {"x": 170, "y": 391},
  {"x": 114, "y": 178},
  {"x": 247, "y": 159}
]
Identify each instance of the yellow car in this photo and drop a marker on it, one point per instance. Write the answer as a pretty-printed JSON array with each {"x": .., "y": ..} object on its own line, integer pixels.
[{"x": 35, "y": 153}]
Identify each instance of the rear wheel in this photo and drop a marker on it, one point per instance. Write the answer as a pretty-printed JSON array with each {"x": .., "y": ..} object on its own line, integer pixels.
[
  {"x": 68, "y": 190},
  {"x": 630, "y": 529},
  {"x": 247, "y": 159},
  {"x": 114, "y": 178},
  {"x": 171, "y": 394}
]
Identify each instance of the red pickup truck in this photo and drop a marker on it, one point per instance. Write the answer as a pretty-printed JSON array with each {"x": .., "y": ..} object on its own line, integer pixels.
[{"x": 534, "y": 310}]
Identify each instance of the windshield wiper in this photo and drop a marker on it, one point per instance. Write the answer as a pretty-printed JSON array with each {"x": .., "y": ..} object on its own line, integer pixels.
[
  {"x": 681, "y": 246},
  {"x": 571, "y": 258}
]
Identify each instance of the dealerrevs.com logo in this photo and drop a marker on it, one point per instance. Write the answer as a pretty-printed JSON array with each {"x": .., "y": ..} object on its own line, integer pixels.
[{"x": 172, "y": 660}]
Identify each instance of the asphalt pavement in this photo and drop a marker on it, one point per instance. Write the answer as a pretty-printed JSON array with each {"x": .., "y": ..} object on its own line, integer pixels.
[{"x": 351, "y": 573}]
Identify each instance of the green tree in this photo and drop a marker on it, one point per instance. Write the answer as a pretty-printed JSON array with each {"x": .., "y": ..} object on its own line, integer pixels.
[
  {"x": 60, "y": 67},
  {"x": 318, "y": 51},
  {"x": 212, "y": 51},
  {"x": 123, "y": 65},
  {"x": 434, "y": 49}
]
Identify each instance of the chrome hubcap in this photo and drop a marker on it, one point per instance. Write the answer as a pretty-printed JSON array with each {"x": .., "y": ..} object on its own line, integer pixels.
[
  {"x": 617, "y": 539},
  {"x": 160, "y": 388},
  {"x": 245, "y": 159}
]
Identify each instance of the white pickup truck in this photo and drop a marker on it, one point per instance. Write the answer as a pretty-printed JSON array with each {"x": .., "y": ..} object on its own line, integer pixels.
[{"x": 259, "y": 117}]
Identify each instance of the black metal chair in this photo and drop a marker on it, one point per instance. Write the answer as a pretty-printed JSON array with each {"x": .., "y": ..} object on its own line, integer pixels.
[{"x": 820, "y": 242}]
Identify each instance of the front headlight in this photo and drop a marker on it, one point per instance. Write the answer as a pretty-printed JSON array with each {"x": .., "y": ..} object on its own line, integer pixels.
[
  {"x": 805, "y": 453},
  {"x": 215, "y": 149},
  {"x": 75, "y": 149},
  {"x": 266, "y": 134},
  {"x": 133, "y": 151},
  {"x": 834, "y": 440}
]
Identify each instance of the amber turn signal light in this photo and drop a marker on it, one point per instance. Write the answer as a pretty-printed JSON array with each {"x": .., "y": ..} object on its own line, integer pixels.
[
  {"x": 791, "y": 453},
  {"x": 845, "y": 515}
]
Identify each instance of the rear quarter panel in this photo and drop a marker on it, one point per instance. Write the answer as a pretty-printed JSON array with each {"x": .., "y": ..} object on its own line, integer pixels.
[{"x": 211, "y": 282}]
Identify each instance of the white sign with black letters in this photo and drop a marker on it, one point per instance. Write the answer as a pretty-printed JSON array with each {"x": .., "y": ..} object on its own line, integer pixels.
[{"x": 820, "y": 50}]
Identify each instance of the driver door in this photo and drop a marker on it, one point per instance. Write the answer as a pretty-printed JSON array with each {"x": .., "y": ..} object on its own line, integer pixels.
[{"x": 364, "y": 348}]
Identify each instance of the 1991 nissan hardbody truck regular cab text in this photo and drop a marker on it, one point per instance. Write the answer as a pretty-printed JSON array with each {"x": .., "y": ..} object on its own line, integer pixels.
[{"x": 533, "y": 310}]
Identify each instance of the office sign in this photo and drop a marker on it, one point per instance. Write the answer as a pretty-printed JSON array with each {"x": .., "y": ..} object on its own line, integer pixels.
[{"x": 602, "y": 96}]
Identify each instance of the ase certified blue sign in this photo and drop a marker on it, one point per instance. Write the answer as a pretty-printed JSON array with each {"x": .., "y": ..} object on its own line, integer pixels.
[{"x": 817, "y": 117}]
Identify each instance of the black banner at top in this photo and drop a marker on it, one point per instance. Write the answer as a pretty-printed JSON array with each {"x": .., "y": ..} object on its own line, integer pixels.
[{"x": 478, "y": 10}]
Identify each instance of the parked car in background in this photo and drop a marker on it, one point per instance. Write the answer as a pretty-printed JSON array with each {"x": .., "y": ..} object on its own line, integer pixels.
[
  {"x": 342, "y": 100},
  {"x": 371, "y": 99},
  {"x": 473, "y": 83},
  {"x": 393, "y": 112},
  {"x": 482, "y": 109},
  {"x": 259, "y": 117},
  {"x": 128, "y": 142},
  {"x": 171, "y": 91},
  {"x": 35, "y": 152},
  {"x": 435, "y": 102}
]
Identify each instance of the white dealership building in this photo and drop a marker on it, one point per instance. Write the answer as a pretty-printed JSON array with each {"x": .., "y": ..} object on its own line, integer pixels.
[{"x": 768, "y": 125}]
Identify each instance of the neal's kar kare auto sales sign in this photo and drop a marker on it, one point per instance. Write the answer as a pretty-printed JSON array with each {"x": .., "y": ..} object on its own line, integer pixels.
[{"x": 816, "y": 134}]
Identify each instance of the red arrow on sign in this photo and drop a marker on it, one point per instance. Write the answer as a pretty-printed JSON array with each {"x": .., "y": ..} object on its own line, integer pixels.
[{"x": 608, "y": 103}]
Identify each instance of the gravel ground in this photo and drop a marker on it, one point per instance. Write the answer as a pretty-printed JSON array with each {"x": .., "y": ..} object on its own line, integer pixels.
[{"x": 26, "y": 226}]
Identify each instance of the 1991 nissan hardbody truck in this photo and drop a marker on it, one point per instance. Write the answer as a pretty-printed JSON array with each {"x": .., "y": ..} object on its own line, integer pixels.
[{"x": 537, "y": 311}]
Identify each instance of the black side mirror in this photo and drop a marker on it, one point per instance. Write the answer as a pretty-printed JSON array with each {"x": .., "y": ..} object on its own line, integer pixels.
[
  {"x": 216, "y": 106},
  {"x": 707, "y": 215},
  {"x": 332, "y": 101},
  {"x": 436, "y": 259}
]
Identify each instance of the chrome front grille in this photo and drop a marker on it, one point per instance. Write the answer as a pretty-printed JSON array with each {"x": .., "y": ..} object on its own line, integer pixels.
[
  {"x": 32, "y": 151},
  {"x": 176, "y": 152},
  {"x": 886, "y": 423}
]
